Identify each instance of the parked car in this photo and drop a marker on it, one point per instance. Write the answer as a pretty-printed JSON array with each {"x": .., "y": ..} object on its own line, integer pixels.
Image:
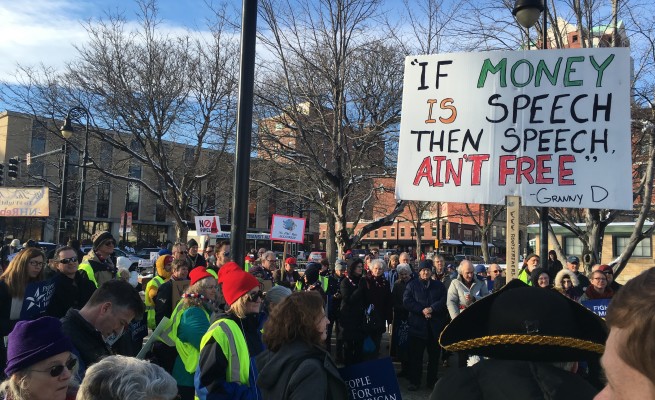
[
  {"x": 302, "y": 255},
  {"x": 145, "y": 252},
  {"x": 316, "y": 256}
]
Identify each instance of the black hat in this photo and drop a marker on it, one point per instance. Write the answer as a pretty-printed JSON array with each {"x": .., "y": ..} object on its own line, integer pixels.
[
  {"x": 426, "y": 264},
  {"x": 192, "y": 243},
  {"x": 520, "y": 322}
]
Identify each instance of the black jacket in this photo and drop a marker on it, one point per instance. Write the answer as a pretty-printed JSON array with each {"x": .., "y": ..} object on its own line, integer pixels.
[
  {"x": 299, "y": 371},
  {"x": 353, "y": 304},
  {"x": 509, "y": 380},
  {"x": 89, "y": 344},
  {"x": 69, "y": 293}
]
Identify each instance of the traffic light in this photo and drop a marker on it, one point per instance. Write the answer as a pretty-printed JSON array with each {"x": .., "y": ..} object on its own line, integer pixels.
[
  {"x": 2, "y": 174},
  {"x": 13, "y": 168}
]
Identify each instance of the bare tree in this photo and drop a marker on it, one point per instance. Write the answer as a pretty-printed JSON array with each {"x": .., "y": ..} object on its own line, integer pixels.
[
  {"x": 146, "y": 90},
  {"x": 329, "y": 105}
]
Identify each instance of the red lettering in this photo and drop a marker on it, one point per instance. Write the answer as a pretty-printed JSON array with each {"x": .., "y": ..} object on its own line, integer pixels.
[
  {"x": 424, "y": 171},
  {"x": 563, "y": 171},
  {"x": 451, "y": 173},
  {"x": 524, "y": 166},
  {"x": 542, "y": 169},
  {"x": 437, "y": 173},
  {"x": 505, "y": 170},
  {"x": 476, "y": 168}
]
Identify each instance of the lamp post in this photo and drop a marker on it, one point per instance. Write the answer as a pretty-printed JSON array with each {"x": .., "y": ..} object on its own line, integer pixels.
[
  {"x": 527, "y": 13},
  {"x": 62, "y": 200},
  {"x": 67, "y": 132}
]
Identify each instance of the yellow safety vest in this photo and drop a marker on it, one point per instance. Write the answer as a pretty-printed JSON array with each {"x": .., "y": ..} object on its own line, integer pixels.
[
  {"x": 212, "y": 273},
  {"x": 298, "y": 286},
  {"x": 324, "y": 282},
  {"x": 188, "y": 354},
  {"x": 150, "y": 305},
  {"x": 227, "y": 334},
  {"x": 86, "y": 267}
]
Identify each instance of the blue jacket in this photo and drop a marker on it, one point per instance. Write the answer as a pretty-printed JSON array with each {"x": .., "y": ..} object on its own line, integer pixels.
[{"x": 419, "y": 295}]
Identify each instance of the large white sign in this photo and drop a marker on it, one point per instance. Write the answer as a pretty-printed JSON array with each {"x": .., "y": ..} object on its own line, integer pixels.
[
  {"x": 288, "y": 229},
  {"x": 551, "y": 126},
  {"x": 208, "y": 225}
]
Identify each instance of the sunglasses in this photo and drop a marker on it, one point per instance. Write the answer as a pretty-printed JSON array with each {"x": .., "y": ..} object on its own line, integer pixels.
[
  {"x": 59, "y": 369},
  {"x": 252, "y": 297},
  {"x": 110, "y": 243},
  {"x": 68, "y": 260},
  {"x": 182, "y": 252}
]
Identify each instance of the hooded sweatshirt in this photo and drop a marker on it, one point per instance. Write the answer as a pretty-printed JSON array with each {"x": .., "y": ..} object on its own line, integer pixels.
[{"x": 301, "y": 371}]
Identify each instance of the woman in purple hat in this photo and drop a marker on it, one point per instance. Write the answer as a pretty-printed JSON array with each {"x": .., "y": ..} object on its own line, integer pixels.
[{"x": 39, "y": 362}]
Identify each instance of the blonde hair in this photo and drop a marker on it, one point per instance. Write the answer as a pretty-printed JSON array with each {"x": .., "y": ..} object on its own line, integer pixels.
[
  {"x": 198, "y": 288},
  {"x": 17, "y": 276},
  {"x": 238, "y": 308}
]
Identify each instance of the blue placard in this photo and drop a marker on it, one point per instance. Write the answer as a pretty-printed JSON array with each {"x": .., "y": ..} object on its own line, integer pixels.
[
  {"x": 375, "y": 379},
  {"x": 36, "y": 300},
  {"x": 598, "y": 307}
]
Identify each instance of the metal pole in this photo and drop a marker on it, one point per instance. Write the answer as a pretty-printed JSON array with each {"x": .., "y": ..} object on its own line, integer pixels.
[
  {"x": 64, "y": 192},
  {"x": 244, "y": 130},
  {"x": 127, "y": 198},
  {"x": 80, "y": 212},
  {"x": 543, "y": 214}
]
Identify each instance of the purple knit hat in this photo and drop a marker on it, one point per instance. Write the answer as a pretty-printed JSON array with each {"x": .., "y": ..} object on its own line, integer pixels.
[{"x": 34, "y": 341}]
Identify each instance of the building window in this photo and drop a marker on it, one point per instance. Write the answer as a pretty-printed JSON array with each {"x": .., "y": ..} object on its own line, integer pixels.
[
  {"x": 422, "y": 232},
  {"x": 413, "y": 231},
  {"x": 402, "y": 232},
  {"x": 434, "y": 231},
  {"x": 573, "y": 246},
  {"x": 643, "y": 248},
  {"x": 384, "y": 233},
  {"x": 375, "y": 234},
  {"x": 188, "y": 155},
  {"x": 393, "y": 232},
  {"x": 468, "y": 235},
  {"x": 160, "y": 211},
  {"x": 502, "y": 231},
  {"x": 102, "y": 204},
  {"x": 575, "y": 38},
  {"x": 133, "y": 192},
  {"x": 494, "y": 231},
  {"x": 279, "y": 126}
]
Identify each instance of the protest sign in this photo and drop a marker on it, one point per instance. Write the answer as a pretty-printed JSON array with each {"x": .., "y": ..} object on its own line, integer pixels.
[
  {"x": 24, "y": 202},
  {"x": 552, "y": 127},
  {"x": 370, "y": 380},
  {"x": 288, "y": 229},
  {"x": 37, "y": 298},
  {"x": 598, "y": 307},
  {"x": 208, "y": 225}
]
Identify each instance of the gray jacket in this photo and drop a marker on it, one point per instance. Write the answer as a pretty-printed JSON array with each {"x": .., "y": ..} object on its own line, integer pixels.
[{"x": 456, "y": 298}]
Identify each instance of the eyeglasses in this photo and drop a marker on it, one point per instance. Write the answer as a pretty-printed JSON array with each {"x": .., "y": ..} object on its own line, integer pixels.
[
  {"x": 59, "y": 369},
  {"x": 182, "y": 251},
  {"x": 39, "y": 264},
  {"x": 495, "y": 272},
  {"x": 68, "y": 260},
  {"x": 252, "y": 297}
]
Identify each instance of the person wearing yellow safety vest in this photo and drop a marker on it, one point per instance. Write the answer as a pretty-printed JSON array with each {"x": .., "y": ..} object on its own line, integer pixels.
[
  {"x": 287, "y": 276},
  {"x": 226, "y": 368},
  {"x": 97, "y": 264},
  {"x": 189, "y": 322},
  {"x": 164, "y": 270},
  {"x": 295, "y": 364},
  {"x": 164, "y": 300}
]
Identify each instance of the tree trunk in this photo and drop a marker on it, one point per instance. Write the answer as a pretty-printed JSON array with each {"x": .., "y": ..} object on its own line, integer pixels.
[{"x": 330, "y": 245}]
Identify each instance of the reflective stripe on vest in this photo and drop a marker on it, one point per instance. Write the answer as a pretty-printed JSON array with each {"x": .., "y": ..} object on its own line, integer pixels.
[
  {"x": 212, "y": 273},
  {"x": 298, "y": 286},
  {"x": 187, "y": 352},
  {"x": 150, "y": 305},
  {"x": 86, "y": 267},
  {"x": 227, "y": 334}
]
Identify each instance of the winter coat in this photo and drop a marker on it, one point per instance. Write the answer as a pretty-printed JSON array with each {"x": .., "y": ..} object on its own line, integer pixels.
[
  {"x": 281, "y": 277},
  {"x": 88, "y": 342},
  {"x": 69, "y": 293},
  {"x": 353, "y": 305},
  {"x": 574, "y": 292},
  {"x": 592, "y": 294},
  {"x": 103, "y": 270},
  {"x": 400, "y": 313},
  {"x": 512, "y": 380},
  {"x": 378, "y": 293},
  {"x": 299, "y": 371},
  {"x": 422, "y": 294},
  {"x": 457, "y": 292}
]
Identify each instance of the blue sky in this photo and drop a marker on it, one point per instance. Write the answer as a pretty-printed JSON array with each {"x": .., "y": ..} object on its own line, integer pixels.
[{"x": 44, "y": 31}]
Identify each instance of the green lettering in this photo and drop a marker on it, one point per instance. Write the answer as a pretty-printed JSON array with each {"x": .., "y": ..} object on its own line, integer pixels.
[
  {"x": 569, "y": 69},
  {"x": 530, "y": 72},
  {"x": 487, "y": 67},
  {"x": 601, "y": 68},
  {"x": 542, "y": 69}
]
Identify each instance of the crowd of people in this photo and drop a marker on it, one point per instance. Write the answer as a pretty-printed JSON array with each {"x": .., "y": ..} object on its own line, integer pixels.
[{"x": 75, "y": 323}]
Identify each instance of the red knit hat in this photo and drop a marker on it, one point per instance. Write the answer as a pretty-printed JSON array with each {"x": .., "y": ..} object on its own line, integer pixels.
[
  {"x": 199, "y": 273},
  {"x": 225, "y": 268},
  {"x": 236, "y": 283}
]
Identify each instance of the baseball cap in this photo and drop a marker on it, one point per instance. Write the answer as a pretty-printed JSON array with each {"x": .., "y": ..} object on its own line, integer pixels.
[
  {"x": 291, "y": 261},
  {"x": 573, "y": 260}
]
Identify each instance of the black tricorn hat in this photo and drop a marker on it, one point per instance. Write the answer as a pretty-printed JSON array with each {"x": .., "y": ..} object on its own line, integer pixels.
[{"x": 520, "y": 322}]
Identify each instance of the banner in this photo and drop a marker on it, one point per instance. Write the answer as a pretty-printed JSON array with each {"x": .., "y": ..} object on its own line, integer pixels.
[
  {"x": 288, "y": 229},
  {"x": 552, "y": 127},
  {"x": 598, "y": 307},
  {"x": 129, "y": 222},
  {"x": 24, "y": 202},
  {"x": 374, "y": 379},
  {"x": 37, "y": 298},
  {"x": 208, "y": 225}
]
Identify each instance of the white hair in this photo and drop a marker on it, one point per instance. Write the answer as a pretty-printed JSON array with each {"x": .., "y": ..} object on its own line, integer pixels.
[
  {"x": 123, "y": 378},
  {"x": 380, "y": 263},
  {"x": 462, "y": 264}
]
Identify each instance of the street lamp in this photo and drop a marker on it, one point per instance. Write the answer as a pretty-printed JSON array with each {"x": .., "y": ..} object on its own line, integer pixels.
[
  {"x": 527, "y": 14},
  {"x": 67, "y": 131}
]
